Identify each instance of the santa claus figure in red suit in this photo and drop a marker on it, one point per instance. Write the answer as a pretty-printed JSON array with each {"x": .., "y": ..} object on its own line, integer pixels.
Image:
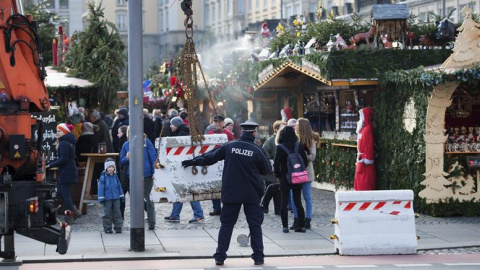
[{"x": 365, "y": 168}]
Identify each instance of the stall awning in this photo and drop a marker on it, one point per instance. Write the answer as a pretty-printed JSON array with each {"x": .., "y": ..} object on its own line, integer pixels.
[
  {"x": 288, "y": 75},
  {"x": 57, "y": 79},
  {"x": 354, "y": 82}
]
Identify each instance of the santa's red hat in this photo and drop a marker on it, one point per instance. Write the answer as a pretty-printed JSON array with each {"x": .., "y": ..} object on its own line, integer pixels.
[{"x": 286, "y": 113}]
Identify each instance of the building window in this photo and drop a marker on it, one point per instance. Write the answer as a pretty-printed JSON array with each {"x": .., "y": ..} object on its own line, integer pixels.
[
  {"x": 160, "y": 20},
  {"x": 213, "y": 14},
  {"x": 121, "y": 21},
  {"x": 452, "y": 17},
  {"x": 220, "y": 11},
  {"x": 241, "y": 7},
  {"x": 288, "y": 11},
  {"x": 121, "y": 3},
  {"x": 265, "y": 4},
  {"x": 250, "y": 3},
  {"x": 207, "y": 15},
  {"x": 51, "y": 4},
  {"x": 422, "y": 17},
  {"x": 296, "y": 9},
  {"x": 257, "y": 5},
  {"x": 471, "y": 5},
  {"x": 63, "y": 4},
  {"x": 229, "y": 7}
]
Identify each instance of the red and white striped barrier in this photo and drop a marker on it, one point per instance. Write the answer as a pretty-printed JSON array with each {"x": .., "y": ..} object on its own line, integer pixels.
[
  {"x": 173, "y": 183},
  {"x": 374, "y": 222}
]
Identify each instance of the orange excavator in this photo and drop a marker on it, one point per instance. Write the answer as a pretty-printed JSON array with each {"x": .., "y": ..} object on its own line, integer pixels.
[{"x": 28, "y": 204}]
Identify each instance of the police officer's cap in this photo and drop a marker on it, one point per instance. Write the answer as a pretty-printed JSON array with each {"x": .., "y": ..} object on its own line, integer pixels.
[
  {"x": 249, "y": 126},
  {"x": 218, "y": 118}
]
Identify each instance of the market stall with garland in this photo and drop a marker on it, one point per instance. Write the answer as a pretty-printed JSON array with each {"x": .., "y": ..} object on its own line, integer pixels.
[
  {"x": 420, "y": 154},
  {"x": 412, "y": 151}
]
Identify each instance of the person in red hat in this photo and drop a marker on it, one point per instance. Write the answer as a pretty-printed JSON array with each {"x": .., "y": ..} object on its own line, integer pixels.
[{"x": 66, "y": 166}]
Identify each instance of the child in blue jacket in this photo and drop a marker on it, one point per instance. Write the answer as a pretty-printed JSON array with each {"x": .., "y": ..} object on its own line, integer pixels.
[{"x": 110, "y": 194}]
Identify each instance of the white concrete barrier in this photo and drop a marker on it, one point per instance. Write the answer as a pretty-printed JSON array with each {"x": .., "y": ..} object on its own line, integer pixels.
[
  {"x": 173, "y": 183},
  {"x": 374, "y": 222}
]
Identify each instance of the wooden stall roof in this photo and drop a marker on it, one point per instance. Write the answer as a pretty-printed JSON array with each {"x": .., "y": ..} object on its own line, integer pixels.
[
  {"x": 288, "y": 75},
  {"x": 390, "y": 12},
  {"x": 291, "y": 75},
  {"x": 57, "y": 79}
]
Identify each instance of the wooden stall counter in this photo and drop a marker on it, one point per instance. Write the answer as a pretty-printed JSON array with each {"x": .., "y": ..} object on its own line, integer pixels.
[{"x": 92, "y": 158}]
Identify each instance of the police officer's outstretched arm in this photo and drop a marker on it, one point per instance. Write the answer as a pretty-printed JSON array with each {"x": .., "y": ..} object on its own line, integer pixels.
[{"x": 206, "y": 159}]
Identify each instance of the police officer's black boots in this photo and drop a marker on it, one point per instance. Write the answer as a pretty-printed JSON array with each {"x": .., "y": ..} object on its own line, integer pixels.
[{"x": 307, "y": 223}]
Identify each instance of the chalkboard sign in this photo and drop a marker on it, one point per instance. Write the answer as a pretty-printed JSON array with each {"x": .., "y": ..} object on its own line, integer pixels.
[{"x": 49, "y": 143}]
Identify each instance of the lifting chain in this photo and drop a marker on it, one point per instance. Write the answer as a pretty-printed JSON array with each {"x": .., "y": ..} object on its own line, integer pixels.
[{"x": 189, "y": 67}]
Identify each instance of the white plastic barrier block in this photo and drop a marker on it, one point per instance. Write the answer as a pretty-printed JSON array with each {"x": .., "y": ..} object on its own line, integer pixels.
[
  {"x": 374, "y": 222},
  {"x": 173, "y": 183}
]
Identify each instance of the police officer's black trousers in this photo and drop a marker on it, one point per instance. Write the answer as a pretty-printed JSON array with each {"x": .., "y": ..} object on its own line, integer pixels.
[{"x": 228, "y": 217}]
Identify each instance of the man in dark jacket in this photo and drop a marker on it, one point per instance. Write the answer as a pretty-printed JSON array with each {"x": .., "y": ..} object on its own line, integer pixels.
[
  {"x": 85, "y": 142},
  {"x": 166, "y": 130},
  {"x": 241, "y": 185},
  {"x": 148, "y": 126},
  {"x": 100, "y": 133},
  {"x": 121, "y": 120},
  {"x": 157, "y": 122}
]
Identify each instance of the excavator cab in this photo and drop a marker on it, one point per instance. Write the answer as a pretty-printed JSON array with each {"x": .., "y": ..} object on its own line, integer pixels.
[{"x": 27, "y": 200}]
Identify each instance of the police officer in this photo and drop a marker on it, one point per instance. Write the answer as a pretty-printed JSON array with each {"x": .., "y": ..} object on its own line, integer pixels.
[{"x": 241, "y": 185}]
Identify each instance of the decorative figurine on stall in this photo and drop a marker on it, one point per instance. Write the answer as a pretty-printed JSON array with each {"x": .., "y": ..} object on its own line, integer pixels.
[
  {"x": 349, "y": 108},
  {"x": 472, "y": 137},
  {"x": 365, "y": 178},
  {"x": 463, "y": 134},
  {"x": 451, "y": 135},
  {"x": 456, "y": 133},
  {"x": 265, "y": 32}
]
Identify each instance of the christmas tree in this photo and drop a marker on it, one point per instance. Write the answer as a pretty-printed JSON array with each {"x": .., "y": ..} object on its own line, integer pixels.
[{"x": 98, "y": 55}]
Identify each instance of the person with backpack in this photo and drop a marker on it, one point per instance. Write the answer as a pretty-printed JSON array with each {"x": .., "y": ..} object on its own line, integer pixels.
[
  {"x": 289, "y": 161},
  {"x": 308, "y": 140}
]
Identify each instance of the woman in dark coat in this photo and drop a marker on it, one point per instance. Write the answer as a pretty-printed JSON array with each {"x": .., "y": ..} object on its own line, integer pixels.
[
  {"x": 85, "y": 142},
  {"x": 66, "y": 165},
  {"x": 288, "y": 138}
]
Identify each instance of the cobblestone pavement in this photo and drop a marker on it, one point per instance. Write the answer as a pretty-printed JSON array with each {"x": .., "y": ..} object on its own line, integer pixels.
[{"x": 323, "y": 210}]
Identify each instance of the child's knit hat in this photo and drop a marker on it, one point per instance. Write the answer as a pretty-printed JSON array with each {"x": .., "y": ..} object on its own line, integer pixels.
[{"x": 110, "y": 162}]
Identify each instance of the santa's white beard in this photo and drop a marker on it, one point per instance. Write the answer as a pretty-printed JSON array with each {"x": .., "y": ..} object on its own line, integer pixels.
[
  {"x": 284, "y": 116},
  {"x": 360, "y": 124}
]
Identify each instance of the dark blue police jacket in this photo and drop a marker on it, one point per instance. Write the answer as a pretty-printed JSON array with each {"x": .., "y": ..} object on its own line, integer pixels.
[{"x": 244, "y": 163}]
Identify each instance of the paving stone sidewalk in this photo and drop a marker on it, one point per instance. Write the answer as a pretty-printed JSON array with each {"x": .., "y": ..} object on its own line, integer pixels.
[{"x": 323, "y": 210}]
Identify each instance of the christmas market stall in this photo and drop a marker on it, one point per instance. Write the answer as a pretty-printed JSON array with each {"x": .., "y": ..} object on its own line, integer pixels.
[
  {"x": 330, "y": 105},
  {"x": 427, "y": 130},
  {"x": 63, "y": 89}
]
